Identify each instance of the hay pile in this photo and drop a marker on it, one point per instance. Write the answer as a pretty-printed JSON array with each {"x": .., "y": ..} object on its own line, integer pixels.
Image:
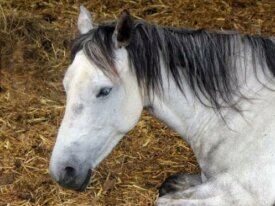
[{"x": 34, "y": 43}]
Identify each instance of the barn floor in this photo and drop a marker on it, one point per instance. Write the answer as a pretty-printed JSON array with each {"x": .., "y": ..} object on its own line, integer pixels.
[{"x": 35, "y": 37}]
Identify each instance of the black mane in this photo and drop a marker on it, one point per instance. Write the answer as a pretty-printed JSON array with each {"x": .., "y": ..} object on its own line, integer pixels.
[{"x": 205, "y": 60}]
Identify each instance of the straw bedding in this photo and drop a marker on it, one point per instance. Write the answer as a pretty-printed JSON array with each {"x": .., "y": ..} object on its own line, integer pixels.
[{"x": 35, "y": 38}]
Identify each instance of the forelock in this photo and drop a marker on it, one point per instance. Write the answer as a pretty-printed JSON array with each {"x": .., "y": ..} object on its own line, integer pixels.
[{"x": 98, "y": 46}]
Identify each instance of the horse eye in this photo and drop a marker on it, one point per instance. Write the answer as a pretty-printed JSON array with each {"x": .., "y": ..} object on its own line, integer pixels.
[{"x": 104, "y": 92}]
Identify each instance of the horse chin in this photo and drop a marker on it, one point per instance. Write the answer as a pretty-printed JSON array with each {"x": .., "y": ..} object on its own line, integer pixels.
[{"x": 86, "y": 182}]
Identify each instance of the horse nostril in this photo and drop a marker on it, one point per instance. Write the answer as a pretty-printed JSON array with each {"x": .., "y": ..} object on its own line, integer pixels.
[{"x": 70, "y": 172}]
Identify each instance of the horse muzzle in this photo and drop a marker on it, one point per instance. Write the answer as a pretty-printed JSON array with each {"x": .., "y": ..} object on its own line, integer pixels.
[
  {"x": 71, "y": 181},
  {"x": 71, "y": 178}
]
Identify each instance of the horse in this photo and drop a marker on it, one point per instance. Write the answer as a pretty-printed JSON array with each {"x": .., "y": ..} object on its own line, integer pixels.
[{"x": 215, "y": 89}]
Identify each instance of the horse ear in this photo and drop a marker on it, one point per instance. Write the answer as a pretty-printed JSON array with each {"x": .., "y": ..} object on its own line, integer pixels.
[
  {"x": 85, "y": 22},
  {"x": 124, "y": 29}
]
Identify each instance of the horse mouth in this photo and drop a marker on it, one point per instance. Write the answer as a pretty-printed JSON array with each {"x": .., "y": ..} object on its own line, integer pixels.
[{"x": 86, "y": 182}]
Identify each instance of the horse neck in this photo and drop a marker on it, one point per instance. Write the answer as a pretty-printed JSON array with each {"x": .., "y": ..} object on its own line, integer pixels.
[
  {"x": 181, "y": 111},
  {"x": 184, "y": 112}
]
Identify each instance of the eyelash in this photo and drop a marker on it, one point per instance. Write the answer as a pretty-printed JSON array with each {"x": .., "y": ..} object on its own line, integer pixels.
[{"x": 104, "y": 92}]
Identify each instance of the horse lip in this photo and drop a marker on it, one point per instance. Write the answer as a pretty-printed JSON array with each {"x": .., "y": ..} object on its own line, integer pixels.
[{"x": 86, "y": 182}]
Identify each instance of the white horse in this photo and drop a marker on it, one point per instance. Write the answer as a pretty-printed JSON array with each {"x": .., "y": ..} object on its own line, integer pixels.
[{"x": 213, "y": 88}]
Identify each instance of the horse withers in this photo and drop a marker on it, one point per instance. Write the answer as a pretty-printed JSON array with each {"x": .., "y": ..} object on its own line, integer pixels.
[{"x": 216, "y": 89}]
